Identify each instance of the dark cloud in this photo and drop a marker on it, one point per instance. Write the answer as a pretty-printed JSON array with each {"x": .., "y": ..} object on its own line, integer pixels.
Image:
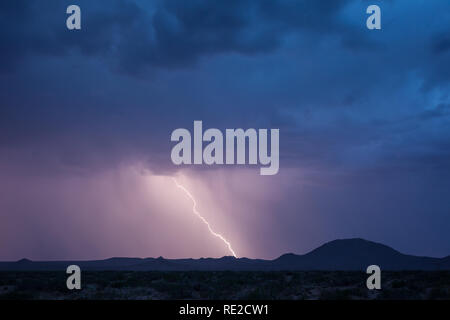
[
  {"x": 441, "y": 44},
  {"x": 441, "y": 110},
  {"x": 303, "y": 66},
  {"x": 168, "y": 34},
  {"x": 38, "y": 28}
]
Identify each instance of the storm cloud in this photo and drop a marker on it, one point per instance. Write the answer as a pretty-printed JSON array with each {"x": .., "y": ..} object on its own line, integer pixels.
[{"x": 359, "y": 112}]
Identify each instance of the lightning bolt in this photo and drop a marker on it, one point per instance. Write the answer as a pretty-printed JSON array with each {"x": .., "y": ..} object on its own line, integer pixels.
[{"x": 194, "y": 209}]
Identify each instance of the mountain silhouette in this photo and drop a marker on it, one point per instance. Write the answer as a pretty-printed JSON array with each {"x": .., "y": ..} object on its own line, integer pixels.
[
  {"x": 357, "y": 254},
  {"x": 346, "y": 254}
]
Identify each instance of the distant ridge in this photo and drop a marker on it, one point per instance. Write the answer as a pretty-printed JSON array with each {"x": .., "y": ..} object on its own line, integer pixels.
[{"x": 346, "y": 254}]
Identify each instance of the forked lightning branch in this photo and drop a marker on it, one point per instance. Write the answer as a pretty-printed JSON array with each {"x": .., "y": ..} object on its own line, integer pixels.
[{"x": 195, "y": 211}]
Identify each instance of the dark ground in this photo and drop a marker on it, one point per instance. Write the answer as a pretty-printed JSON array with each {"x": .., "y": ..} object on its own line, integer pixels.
[{"x": 225, "y": 285}]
